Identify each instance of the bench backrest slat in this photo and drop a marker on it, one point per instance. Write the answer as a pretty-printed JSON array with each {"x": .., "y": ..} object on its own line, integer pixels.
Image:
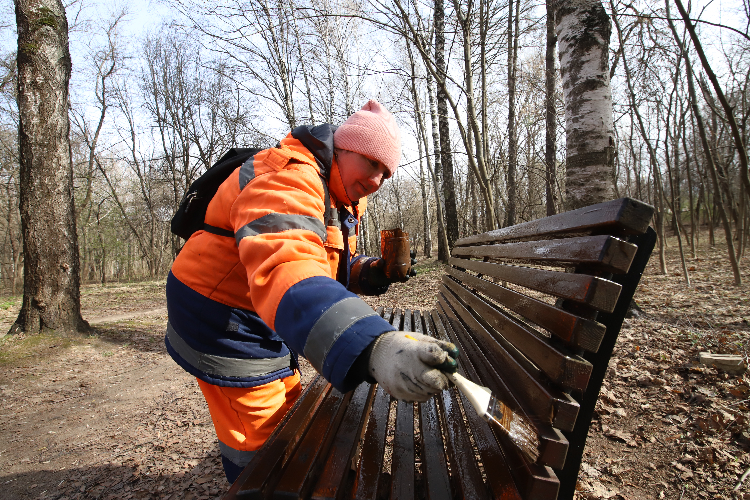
[
  {"x": 529, "y": 477},
  {"x": 605, "y": 252},
  {"x": 575, "y": 331},
  {"x": 624, "y": 217},
  {"x": 562, "y": 368},
  {"x": 599, "y": 293},
  {"x": 547, "y": 403}
]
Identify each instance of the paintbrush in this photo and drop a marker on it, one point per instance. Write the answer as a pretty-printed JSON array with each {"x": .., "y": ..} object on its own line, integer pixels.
[
  {"x": 515, "y": 426},
  {"x": 497, "y": 413}
]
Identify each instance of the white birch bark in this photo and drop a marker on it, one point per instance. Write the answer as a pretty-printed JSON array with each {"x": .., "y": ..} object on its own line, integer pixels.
[{"x": 583, "y": 30}]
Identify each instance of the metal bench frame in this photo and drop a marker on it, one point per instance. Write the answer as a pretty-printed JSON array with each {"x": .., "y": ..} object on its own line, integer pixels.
[{"x": 535, "y": 309}]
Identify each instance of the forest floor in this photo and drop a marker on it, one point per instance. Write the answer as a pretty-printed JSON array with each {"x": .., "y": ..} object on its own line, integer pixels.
[{"x": 109, "y": 415}]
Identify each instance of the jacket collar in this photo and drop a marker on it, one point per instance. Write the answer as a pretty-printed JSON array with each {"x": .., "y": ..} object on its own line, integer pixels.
[{"x": 319, "y": 141}]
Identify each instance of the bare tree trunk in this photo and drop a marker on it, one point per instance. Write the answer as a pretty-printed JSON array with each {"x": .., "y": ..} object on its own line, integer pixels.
[
  {"x": 673, "y": 197},
  {"x": 435, "y": 175},
  {"x": 446, "y": 156},
  {"x": 550, "y": 148},
  {"x": 421, "y": 140},
  {"x": 653, "y": 162},
  {"x": 51, "y": 297},
  {"x": 693, "y": 207},
  {"x": 510, "y": 215},
  {"x": 583, "y": 31}
]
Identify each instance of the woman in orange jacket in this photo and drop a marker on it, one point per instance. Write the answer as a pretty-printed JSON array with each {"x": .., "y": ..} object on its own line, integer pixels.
[{"x": 272, "y": 276}]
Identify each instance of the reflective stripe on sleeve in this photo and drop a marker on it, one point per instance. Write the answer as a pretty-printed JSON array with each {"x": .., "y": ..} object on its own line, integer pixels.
[
  {"x": 277, "y": 223},
  {"x": 237, "y": 457},
  {"x": 223, "y": 366},
  {"x": 329, "y": 327},
  {"x": 247, "y": 172}
]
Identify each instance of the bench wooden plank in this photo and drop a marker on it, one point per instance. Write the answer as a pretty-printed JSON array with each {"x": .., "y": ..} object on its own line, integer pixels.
[
  {"x": 603, "y": 252},
  {"x": 546, "y": 403},
  {"x": 624, "y": 216},
  {"x": 338, "y": 463},
  {"x": 593, "y": 291},
  {"x": 494, "y": 460},
  {"x": 562, "y": 368},
  {"x": 468, "y": 478},
  {"x": 553, "y": 445},
  {"x": 574, "y": 330},
  {"x": 435, "y": 466},
  {"x": 373, "y": 448},
  {"x": 402, "y": 461},
  {"x": 529, "y": 477},
  {"x": 268, "y": 463},
  {"x": 301, "y": 471}
]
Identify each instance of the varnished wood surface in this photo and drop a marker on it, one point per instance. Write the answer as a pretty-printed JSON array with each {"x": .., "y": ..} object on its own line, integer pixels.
[
  {"x": 574, "y": 330},
  {"x": 618, "y": 217},
  {"x": 603, "y": 252}
]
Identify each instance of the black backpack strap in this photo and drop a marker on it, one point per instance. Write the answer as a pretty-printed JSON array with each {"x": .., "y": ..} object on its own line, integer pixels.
[{"x": 217, "y": 230}]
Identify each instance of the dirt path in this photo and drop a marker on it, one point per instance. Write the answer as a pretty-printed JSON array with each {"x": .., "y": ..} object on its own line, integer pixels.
[{"x": 110, "y": 416}]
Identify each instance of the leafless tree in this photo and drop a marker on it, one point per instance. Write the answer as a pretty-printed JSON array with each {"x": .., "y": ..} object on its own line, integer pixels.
[{"x": 51, "y": 298}]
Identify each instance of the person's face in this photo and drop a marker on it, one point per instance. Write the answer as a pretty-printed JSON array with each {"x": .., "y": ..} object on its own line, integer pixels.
[{"x": 361, "y": 175}]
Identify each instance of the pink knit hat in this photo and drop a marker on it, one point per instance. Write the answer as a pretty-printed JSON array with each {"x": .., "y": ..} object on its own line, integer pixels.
[{"x": 371, "y": 131}]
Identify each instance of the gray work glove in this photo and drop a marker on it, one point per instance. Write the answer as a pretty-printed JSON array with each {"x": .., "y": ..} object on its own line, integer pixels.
[{"x": 410, "y": 366}]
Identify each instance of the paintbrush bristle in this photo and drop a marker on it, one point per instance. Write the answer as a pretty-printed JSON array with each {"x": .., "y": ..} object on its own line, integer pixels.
[{"x": 519, "y": 430}]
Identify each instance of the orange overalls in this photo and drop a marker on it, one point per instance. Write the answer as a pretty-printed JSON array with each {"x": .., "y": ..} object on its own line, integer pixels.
[{"x": 242, "y": 307}]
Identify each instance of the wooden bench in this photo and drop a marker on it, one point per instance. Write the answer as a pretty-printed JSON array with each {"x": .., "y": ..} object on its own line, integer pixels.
[{"x": 535, "y": 310}]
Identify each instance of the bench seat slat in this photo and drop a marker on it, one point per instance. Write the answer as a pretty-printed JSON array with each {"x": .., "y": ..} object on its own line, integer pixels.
[
  {"x": 338, "y": 461},
  {"x": 604, "y": 252},
  {"x": 301, "y": 470},
  {"x": 499, "y": 478},
  {"x": 434, "y": 464},
  {"x": 529, "y": 477},
  {"x": 402, "y": 465},
  {"x": 466, "y": 472},
  {"x": 269, "y": 462},
  {"x": 553, "y": 445},
  {"x": 545, "y": 403},
  {"x": 624, "y": 216},
  {"x": 572, "y": 329},
  {"x": 564, "y": 369},
  {"x": 373, "y": 448},
  {"x": 593, "y": 291}
]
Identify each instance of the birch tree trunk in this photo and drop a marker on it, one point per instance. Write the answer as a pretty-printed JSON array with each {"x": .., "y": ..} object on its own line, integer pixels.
[
  {"x": 583, "y": 30},
  {"x": 51, "y": 295}
]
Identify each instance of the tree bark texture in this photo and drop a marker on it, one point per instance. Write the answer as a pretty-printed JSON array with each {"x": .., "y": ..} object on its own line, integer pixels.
[
  {"x": 51, "y": 298},
  {"x": 583, "y": 31},
  {"x": 550, "y": 146},
  {"x": 446, "y": 156}
]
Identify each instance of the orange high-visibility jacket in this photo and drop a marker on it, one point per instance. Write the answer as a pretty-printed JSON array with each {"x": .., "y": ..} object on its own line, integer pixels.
[{"x": 236, "y": 305}]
